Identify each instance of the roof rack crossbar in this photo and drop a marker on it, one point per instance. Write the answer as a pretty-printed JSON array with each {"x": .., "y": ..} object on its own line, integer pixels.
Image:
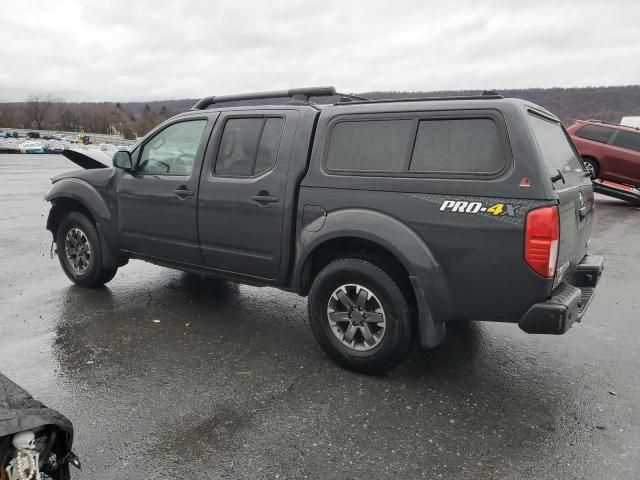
[{"x": 296, "y": 94}]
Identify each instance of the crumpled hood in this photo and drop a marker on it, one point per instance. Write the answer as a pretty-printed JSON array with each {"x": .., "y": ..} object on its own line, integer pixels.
[{"x": 89, "y": 158}]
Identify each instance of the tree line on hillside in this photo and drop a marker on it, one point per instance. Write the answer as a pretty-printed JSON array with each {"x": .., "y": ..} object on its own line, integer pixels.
[
  {"x": 568, "y": 104},
  {"x": 132, "y": 119},
  {"x": 40, "y": 112},
  {"x": 604, "y": 103}
]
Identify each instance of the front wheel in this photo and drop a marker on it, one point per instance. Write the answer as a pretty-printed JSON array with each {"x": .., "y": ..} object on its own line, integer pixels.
[
  {"x": 360, "y": 317},
  {"x": 79, "y": 252}
]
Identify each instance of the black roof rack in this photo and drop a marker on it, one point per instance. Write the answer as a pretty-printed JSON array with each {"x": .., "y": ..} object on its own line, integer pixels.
[
  {"x": 297, "y": 95},
  {"x": 490, "y": 96}
]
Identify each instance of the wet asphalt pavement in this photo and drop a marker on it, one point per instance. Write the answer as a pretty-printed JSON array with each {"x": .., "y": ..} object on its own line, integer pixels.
[{"x": 165, "y": 375}]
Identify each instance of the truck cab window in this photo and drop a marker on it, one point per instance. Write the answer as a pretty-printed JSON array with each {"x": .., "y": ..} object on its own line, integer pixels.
[
  {"x": 172, "y": 150},
  {"x": 249, "y": 146}
]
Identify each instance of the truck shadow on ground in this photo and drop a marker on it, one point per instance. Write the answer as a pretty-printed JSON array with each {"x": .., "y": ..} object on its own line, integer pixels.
[
  {"x": 241, "y": 314},
  {"x": 181, "y": 335}
]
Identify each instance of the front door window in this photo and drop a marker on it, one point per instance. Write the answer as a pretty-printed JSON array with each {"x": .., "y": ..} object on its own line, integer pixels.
[{"x": 172, "y": 151}]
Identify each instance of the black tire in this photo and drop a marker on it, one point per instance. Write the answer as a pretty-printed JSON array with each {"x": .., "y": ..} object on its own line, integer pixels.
[
  {"x": 591, "y": 164},
  {"x": 396, "y": 341},
  {"x": 94, "y": 274}
]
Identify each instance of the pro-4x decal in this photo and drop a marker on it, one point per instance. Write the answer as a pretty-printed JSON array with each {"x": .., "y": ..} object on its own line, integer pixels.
[
  {"x": 507, "y": 210},
  {"x": 496, "y": 209}
]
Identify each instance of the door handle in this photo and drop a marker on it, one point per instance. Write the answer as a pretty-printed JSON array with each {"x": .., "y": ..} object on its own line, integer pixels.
[
  {"x": 263, "y": 198},
  {"x": 182, "y": 192},
  {"x": 582, "y": 213}
]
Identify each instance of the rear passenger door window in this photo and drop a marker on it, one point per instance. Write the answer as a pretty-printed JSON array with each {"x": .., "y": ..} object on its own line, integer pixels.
[
  {"x": 269, "y": 144},
  {"x": 248, "y": 146}
]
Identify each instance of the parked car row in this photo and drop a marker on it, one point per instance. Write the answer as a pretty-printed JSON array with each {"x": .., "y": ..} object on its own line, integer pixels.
[
  {"x": 53, "y": 145},
  {"x": 20, "y": 145}
]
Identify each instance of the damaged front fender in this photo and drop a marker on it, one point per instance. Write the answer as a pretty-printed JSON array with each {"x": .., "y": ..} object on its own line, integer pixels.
[{"x": 82, "y": 192}]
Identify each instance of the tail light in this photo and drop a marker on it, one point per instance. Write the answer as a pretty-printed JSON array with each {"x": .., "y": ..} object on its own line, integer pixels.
[{"x": 541, "y": 237}]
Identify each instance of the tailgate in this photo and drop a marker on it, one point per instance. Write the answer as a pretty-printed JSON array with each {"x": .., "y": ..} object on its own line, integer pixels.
[
  {"x": 576, "y": 221},
  {"x": 574, "y": 192}
]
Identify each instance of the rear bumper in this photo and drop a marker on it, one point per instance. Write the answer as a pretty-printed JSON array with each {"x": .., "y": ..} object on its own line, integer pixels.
[{"x": 568, "y": 302}]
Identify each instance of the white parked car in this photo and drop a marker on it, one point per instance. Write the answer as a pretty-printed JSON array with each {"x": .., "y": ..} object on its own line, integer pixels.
[{"x": 31, "y": 147}]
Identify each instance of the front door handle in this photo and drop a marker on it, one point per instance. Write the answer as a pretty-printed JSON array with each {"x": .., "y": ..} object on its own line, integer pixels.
[
  {"x": 183, "y": 192},
  {"x": 263, "y": 198}
]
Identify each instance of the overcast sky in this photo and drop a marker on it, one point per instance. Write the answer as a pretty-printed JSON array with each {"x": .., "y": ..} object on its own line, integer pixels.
[{"x": 164, "y": 49}]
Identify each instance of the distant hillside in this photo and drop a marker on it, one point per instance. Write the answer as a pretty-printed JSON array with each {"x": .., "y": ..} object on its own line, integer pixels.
[
  {"x": 604, "y": 103},
  {"x": 136, "y": 118}
]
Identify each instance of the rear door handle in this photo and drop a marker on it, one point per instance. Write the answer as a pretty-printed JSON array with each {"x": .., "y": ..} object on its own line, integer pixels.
[
  {"x": 264, "y": 198},
  {"x": 582, "y": 213},
  {"x": 182, "y": 192}
]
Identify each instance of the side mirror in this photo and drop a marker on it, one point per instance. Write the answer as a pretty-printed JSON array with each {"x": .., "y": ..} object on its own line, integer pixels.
[{"x": 122, "y": 159}]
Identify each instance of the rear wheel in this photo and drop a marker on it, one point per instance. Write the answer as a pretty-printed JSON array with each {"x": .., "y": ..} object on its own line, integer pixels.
[
  {"x": 79, "y": 252},
  {"x": 592, "y": 167},
  {"x": 360, "y": 317}
]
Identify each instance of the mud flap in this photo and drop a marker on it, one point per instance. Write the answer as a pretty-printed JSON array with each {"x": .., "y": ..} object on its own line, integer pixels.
[
  {"x": 432, "y": 333},
  {"x": 109, "y": 260}
]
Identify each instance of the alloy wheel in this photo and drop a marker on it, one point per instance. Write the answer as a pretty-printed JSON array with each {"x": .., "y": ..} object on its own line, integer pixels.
[
  {"x": 78, "y": 250},
  {"x": 356, "y": 317}
]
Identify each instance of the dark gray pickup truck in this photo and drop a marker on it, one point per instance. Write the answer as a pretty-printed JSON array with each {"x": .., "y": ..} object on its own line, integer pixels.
[{"x": 394, "y": 217}]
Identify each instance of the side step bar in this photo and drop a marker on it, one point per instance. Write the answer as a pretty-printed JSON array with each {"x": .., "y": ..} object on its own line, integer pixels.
[{"x": 631, "y": 196}]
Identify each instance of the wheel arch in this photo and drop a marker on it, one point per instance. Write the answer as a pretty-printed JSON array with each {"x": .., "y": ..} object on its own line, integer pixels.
[
  {"x": 75, "y": 195},
  {"x": 363, "y": 231},
  {"x": 60, "y": 206},
  {"x": 342, "y": 246}
]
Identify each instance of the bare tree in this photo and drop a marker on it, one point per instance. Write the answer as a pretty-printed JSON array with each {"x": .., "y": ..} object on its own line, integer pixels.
[
  {"x": 69, "y": 120},
  {"x": 6, "y": 117},
  {"x": 37, "y": 107}
]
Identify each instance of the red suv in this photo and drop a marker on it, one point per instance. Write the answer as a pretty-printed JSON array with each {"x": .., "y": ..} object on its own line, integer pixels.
[{"x": 609, "y": 150}]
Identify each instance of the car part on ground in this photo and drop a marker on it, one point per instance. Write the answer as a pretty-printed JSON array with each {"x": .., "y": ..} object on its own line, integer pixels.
[{"x": 35, "y": 441}]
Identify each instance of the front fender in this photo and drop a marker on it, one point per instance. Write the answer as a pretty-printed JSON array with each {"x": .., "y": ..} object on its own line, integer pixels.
[
  {"x": 82, "y": 192},
  {"x": 426, "y": 275}
]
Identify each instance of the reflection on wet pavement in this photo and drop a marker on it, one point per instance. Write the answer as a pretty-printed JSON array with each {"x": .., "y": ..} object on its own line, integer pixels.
[{"x": 169, "y": 375}]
